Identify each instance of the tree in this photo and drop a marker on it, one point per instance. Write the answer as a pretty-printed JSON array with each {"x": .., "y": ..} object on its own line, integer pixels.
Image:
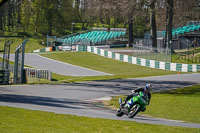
[
  {"x": 46, "y": 15},
  {"x": 151, "y": 4},
  {"x": 128, "y": 10},
  {"x": 169, "y": 22},
  {"x": 26, "y": 13}
]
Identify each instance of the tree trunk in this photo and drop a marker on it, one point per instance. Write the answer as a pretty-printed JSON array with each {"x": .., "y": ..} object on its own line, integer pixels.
[
  {"x": 151, "y": 4},
  {"x": 1, "y": 19},
  {"x": 153, "y": 26},
  {"x": 49, "y": 22},
  {"x": 9, "y": 15},
  {"x": 83, "y": 26},
  {"x": 1, "y": 25},
  {"x": 18, "y": 13},
  {"x": 169, "y": 20},
  {"x": 108, "y": 22},
  {"x": 130, "y": 32}
]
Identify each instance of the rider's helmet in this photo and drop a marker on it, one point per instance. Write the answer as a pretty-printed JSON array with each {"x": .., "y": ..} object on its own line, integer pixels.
[{"x": 148, "y": 87}]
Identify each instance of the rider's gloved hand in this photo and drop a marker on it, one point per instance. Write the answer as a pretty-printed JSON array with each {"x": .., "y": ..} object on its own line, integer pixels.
[{"x": 133, "y": 91}]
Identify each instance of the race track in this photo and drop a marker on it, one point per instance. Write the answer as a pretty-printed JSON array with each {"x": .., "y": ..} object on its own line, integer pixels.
[
  {"x": 78, "y": 98},
  {"x": 40, "y": 62}
]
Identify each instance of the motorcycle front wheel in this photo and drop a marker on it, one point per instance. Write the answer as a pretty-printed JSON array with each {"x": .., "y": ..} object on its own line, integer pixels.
[
  {"x": 119, "y": 112},
  {"x": 134, "y": 110}
]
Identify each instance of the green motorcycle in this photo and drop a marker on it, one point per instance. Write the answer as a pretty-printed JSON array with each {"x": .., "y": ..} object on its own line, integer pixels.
[{"x": 133, "y": 106}]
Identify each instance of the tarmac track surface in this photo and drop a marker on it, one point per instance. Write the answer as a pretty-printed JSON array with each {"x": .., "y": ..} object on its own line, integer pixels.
[
  {"x": 40, "y": 62},
  {"x": 78, "y": 98}
]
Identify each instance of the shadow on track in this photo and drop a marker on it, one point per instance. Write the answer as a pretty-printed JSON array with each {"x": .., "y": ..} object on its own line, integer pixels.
[
  {"x": 43, "y": 101},
  {"x": 128, "y": 85}
]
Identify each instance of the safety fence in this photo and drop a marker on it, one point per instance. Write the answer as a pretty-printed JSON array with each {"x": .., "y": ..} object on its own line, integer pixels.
[
  {"x": 145, "y": 62},
  {"x": 39, "y": 74},
  {"x": 148, "y": 52}
]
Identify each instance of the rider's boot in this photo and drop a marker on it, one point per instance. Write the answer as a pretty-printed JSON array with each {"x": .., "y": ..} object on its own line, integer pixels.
[{"x": 143, "y": 109}]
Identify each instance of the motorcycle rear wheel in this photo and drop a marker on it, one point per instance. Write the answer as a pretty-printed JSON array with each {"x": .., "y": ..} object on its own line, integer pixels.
[
  {"x": 134, "y": 110},
  {"x": 119, "y": 112}
]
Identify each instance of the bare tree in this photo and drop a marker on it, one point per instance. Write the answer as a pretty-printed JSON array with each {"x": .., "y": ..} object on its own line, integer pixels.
[
  {"x": 126, "y": 9},
  {"x": 151, "y": 4},
  {"x": 186, "y": 10}
]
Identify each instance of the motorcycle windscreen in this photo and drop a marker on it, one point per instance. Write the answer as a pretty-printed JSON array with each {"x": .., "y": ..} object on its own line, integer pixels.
[{"x": 120, "y": 101}]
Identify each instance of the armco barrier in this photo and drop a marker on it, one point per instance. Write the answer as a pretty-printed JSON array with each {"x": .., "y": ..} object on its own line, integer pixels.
[
  {"x": 145, "y": 62},
  {"x": 57, "y": 48},
  {"x": 81, "y": 48},
  {"x": 4, "y": 77},
  {"x": 47, "y": 49}
]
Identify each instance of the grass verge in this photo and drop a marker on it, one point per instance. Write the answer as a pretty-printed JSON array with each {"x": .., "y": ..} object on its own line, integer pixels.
[
  {"x": 180, "y": 104},
  {"x": 119, "y": 69},
  {"x": 14, "y": 120}
]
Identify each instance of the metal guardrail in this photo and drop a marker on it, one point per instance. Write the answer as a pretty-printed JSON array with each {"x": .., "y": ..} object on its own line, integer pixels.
[{"x": 4, "y": 77}]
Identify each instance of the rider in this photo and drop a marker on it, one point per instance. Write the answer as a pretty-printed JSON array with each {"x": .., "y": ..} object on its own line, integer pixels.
[{"x": 146, "y": 90}]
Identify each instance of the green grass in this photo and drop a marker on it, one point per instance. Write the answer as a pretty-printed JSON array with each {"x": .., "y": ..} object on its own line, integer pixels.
[
  {"x": 176, "y": 59},
  {"x": 181, "y": 59},
  {"x": 180, "y": 104},
  {"x": 14, "y": 120},
  {"x": 31, "y": 45},
  {"x": 190, "y": 51},
  {"x": 95, "y": 62}
]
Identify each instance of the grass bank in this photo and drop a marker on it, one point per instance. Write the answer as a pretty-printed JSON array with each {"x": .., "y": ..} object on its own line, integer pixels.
[
  {"x": 31, "y": 45},
  {"x": 14, "y": 120},
  {"x": 180, "y": 104},
  {"x": 119, "y": 69}
]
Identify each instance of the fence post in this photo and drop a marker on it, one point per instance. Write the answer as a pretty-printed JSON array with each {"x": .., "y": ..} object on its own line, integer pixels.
[
  {"x": 195, "y": 59},
  {"x": 16, "y": 68},
  {"x": 19, "y": 72},
  {"x": 199, "y": 59},
  {"x": 192, "y": 59}
]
